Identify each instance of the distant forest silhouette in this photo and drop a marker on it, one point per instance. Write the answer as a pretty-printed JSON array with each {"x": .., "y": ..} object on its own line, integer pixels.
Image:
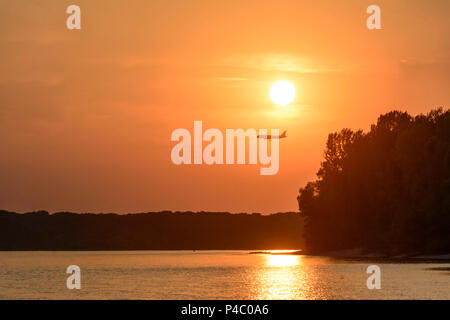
[
  {"x": 384, "y": 191},
  {"x": 149, "y": 231}
]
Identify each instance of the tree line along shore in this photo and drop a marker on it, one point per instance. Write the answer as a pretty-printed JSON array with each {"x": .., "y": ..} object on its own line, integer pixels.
[{"x": 149, "y": 231}]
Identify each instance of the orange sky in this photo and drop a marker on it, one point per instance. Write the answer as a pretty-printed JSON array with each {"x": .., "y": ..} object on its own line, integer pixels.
[{"x": 86, "y": 115}]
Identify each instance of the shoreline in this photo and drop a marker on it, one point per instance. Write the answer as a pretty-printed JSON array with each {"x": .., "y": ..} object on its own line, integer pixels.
[
  {"x": 342, "y": 254},
  {"x": 358, "y": 255}
]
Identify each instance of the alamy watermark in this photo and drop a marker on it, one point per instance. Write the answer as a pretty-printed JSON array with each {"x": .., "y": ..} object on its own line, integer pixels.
[
  {"x": 74, "y": 20},
  {"x": 214, "y": 153},
  {"x": 74, "y": 280},
  {"x": 374, "y": 281},
  {"x": 374, "y": 20}
]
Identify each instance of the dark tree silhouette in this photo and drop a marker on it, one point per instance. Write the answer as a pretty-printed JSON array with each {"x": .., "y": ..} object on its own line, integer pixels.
[
  {"x": 385, "y": 191},
  {"x": 149, "y": 231}
]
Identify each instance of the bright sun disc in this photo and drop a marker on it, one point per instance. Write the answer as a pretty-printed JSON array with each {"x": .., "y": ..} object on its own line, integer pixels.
[{"x": 282, "y": 93}]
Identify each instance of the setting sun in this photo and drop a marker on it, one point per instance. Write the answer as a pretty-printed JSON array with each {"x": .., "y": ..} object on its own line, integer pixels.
[{"x": 282, "y": 93}]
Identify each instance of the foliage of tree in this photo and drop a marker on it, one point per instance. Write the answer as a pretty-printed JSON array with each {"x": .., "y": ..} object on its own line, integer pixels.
[{"x": 384, "y": 191}]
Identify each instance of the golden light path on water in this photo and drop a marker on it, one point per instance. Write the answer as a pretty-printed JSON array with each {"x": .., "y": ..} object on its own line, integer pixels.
[{"x": 276, "y": 281}]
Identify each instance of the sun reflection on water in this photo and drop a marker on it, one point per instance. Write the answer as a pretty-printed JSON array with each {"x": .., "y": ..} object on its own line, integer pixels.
[
  {"x": 281, "y": 260},
  {"x": 282, "y": 278}
]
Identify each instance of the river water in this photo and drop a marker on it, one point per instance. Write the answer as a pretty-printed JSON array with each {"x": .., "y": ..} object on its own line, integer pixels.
[{"x": 213, "y": 275}]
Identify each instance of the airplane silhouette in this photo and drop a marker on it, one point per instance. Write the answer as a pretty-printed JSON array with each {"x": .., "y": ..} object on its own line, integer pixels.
[{"x": 283, "y": 135}]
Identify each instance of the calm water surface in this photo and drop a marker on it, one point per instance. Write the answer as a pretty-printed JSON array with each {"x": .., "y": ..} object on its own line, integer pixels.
[{"x": 212, "y": 275}]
